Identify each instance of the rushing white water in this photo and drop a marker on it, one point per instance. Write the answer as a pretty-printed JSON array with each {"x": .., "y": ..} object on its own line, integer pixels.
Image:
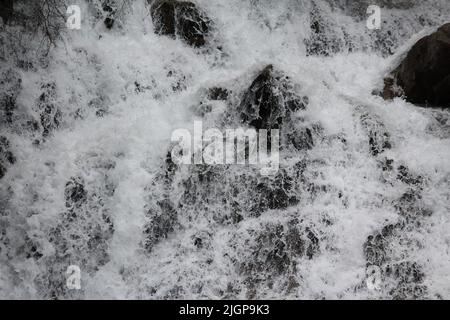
[{"x": 148, "y": 85}]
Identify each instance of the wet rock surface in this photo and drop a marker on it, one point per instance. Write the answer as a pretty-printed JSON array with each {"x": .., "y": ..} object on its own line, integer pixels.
[
  {"x": 323, "y": 41},
  {"x": 232, "y": 196},
  {"x": 7, "y": 158},
  {"x": 275, "y": 252},
  {"x": 269, "y": 100},
  {"x": 423, "y": 77},
  {"x": 110, "y": 9},
  {"x": 81, "y": 237},
  {"x": 10, "y": 87},
  {"x": 180, "y": 19},
  {"x": 391, "y": 249},
  {"x": 379, "y": 138},
  {"x": 50, "y": 114},
  {"x": 6, "y": 10}
]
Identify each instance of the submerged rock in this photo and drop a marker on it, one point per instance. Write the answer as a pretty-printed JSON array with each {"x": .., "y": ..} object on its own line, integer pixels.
[
  {"x": 110, "y": 8},
  {"x": 423, "y": 77},
  {"x": 6, "y": 156},
  {"x": 74, "y": 193},
  {"x": 10, "y": 87},
  {"x": 379, "y": 137},
  {"x": 269, "y": 100},
  {"x": 326, "y": 38},
  {"x": 272, "y": 254},
  {"x": 394, "y": 249},
  {"x": 81, "y": 234},
  {"x": 218, "y": 93},
  {"x": 161, "y": 224},
  {"x": 50, "y": 115},
  {"x": 180, "y": 18},
  {"x": 399, "y": 280}
]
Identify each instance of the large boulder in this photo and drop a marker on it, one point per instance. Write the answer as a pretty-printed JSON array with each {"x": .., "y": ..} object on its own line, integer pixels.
[
  {"x": 180, "y": 19},
  {"x": 423, "y": 77}
]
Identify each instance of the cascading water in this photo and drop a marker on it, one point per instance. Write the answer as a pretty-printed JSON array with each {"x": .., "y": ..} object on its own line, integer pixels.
[{"x": 363, "y": 185}]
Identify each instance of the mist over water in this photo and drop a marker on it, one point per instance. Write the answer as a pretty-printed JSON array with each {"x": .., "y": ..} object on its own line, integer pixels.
[{"x": 148, "y": 230}]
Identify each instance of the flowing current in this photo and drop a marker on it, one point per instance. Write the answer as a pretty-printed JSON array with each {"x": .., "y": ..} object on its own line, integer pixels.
[{"x": 363, "y": 212}]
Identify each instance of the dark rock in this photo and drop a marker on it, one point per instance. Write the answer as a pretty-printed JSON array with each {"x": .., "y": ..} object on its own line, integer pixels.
[
  {"x": 323, "y": 40},
  {"x": 198, "y": 242},
  {"x": 407, "y": 177},
  {"x": 387, "y": 164},
  {"x": 274, "y": 193},
  {"x": 375, "y": 248},
  {"x": 100, "y": 105},
  {"x": 163, "y": 15},
  {"x": 8, "y": 105},
  {"x": 10, "y": 87},
  {"x": 248, "y": 194},
  {"x": 180, "y": 18},
  {"x": 25, "y": 65},
  {"x": 408, "y": 278},
  {"x": 390, "y": 90},
  {"x": 400, "y": 280},
  {"x": 379, "y": 138},
  {"x": 78, "y": 239},
  {"x": 5, "y": 150},
  {"x": 301, "y": 139},
  {"x": 236, "y": 196},
  {"x": 80, "y": 236},
  {"x": 6, "y": 10},
  {"x": 203, "y": 109},
  {"x": 6, "y": 156},
  {"x": 50, "y": 119},
  {"x": 269, "y": 103},
  {"x": 74, "y": 193},
  {"x": 262, "y": 105},
  {"x": 161, "y": 224},
  {"x": 178, "y": 80},
  {"x": 169, "y": 167},
  {"x": 217, "y": 93},
  {"x": 110, "y": 8},
  {"x": 410, "y": 206},
  {"x": 270, "y": 253},
  {"x": 274, "y": 254},
  {"x": 53, "y": 284},
  {"x": 109, "y": 22},
  {"x": 424, "y": 75},
  {"x": 272, "y": 101},
  {"x": 32, "y": 249},
  {"x": 2, "y": 170},
  {"x": 50, "y": 115}
]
